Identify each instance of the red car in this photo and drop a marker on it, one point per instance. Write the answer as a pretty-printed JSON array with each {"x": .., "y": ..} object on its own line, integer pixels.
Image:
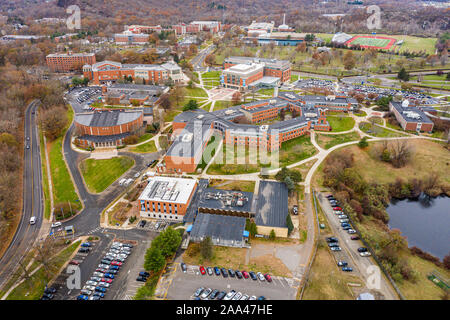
[
  {"x": 354, "y": 238},
  {"x": 268, "y": 277},
  {"x": 245, "y": 274},
  {"x": 202, "y": 270},
  {"x": 74, "y": 262},
  {"x": 116, "y": 263},
  {"x": 106, "y": 280},
  {"x": 337, "y": 208}
]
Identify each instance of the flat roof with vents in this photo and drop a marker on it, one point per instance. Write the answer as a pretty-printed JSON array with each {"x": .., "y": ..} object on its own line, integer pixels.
[{"x": 168, "y": 189}]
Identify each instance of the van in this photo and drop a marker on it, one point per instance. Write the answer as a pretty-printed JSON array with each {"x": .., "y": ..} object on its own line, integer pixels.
[{"x": 33, "y": 220}]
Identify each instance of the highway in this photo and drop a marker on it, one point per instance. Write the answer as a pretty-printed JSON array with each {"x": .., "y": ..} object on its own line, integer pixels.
[{"x": 26, "y": 234}]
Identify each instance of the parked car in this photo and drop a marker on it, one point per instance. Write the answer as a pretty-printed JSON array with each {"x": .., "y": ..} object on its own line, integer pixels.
[
  {"x": 183, "y": 267},
  {"x": 100, "y": 289},
  {"x": 50, "y": 290},
  {"x": 205, "y": 293},
  {"x": 342, "y": 263},
  {"x": 332, "y": 239},
  {"x": 351, "y": 231},
  {"x": 83, "y": 297},
  {"x": 354, "y": 238},
  {"x": 252, "y": 298},
  {"x": 202, "y": 270},
  {"x": 84, "y": 250},
  {"x": 141, "y": 279},
  {"x": 230, "y": 295},
  {"x": 245, "y": 274},
  {"x": 347, "y": 269},
  {"x": 142, "y": 223},
  {"x": 56, "y": 225},
  {"x": 92, "y": 283},
  {"x": 213, "y": 294},
  {"x": 88, "y": 287},
  {"x": 260, "y": 276},
  {"x": 346, "y": 228},
  {"x": 337, "y": 209},
  {"x": 144, "y": 274},
  {"x": 198, "y": 291},
  {"x": 224, "y": 272},
  {"x": 108, "y": 275},
  {"x": 107, "y": 280},
  {"x": 210, "y": 271},
  {"x": 335, "y": 249},
  {"x": 261, "y": 298},
  {"x": 343, "y": 220},
  {"x": 237, "y": 296},
  {"x": 238, "y": 274},
  {"x": 98, "y": 274},
  {"x": 85, "y": 244},
  {"x": 268, "y": 277},
  {"x": 221, "y": 295},
  {"x": 86, "y": 292},
  {"x": 333, "y": 244},
  {"x": 104, "y": 284},
  {"x": 253, "y": 275},
  {"x": 217, "y": 271},
  {"x": 231, "y": 273},
  {"x": 99, "y": 294},
  {"x": 116, "y": 263},
  {"x": 362, "y": 249},
  {"x": 365, "y": 254},
  {"x": 74, "y": 262}
]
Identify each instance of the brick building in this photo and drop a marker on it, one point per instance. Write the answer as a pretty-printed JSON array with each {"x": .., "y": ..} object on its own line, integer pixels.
[
  {"x": 197, "y": 26},
  {"x": 111, "y": 71},
  {"x": 106, "y": 128},
  {"x": 411, "y": 118},
  {"x": 272, "y": 68},
  {"x": 192, "y": 130},
  {"x": 129, "y": 38},
  {"x": 66, "y": 62},
  {"x": 166, "y": 198}
]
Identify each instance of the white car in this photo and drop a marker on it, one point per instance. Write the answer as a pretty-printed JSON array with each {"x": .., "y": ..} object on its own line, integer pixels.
[
  {"x": 351, "y": 231},
  {"x": 365, "y": 254},
  {"x": 229, "y": 295},
  {"x": 91, "y": 288},
  {"x": 91, "y": 283},
  {"x": 245, "y": 297},
  {"x": 98, "y": 274},
  {"x": 260, "y": 276},
  {"x": 237, "y": 296},
  {"x": 205, "y": 293},
  {"x": 104, "y": 284},
  {"x": 56, "y": 224},
  {"x": 252, "y": 298},
  {"x": 33, "y": 220}
]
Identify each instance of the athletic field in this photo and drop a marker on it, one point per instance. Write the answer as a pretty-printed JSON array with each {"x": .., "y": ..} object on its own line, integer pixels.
[{"x": 376, "y": 42}]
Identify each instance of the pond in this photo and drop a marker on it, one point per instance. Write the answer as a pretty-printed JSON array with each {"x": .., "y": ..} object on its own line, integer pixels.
[{"x": 425, "y": 222}]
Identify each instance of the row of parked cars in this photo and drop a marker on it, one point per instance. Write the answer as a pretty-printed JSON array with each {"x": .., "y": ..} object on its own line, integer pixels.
[
  {"x": 230, "y": 272},
  {"x": 49, "y": 293},
  {"x": 214, "y": 294},
  {"x": 345, "y": 225},
  {"x": 106, "y": 271},
  {"x": 88, "y": 93}
]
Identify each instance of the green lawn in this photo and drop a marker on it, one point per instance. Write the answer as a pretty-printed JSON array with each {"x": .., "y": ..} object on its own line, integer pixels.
[
  {"x": 33, "y": 288},
  {"x": 296, "y": 150},
  {"x": 223, "y": 104},
  {"x": 196, "y": 92},
  {"x": 340, "y": 123},
  {"x": 377, "y": 131},
  {"x": 46, "y": 187},
  {"x": 328, "y": 141},
  {"x": 100, "y": 174},
  {"x": 211, "y": 74},
  {"x": 145, "y": 137},
  {"x": 145, "y": 148},
  {"x": 63, "y": 188},
  {"x": 294, "y": 77}
]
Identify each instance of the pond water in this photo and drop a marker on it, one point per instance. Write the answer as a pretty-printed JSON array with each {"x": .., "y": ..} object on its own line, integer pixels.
[{"x": 425, "y": 222}]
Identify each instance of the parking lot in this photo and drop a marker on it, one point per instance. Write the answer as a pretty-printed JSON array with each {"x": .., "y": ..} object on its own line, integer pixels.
[
  {"x": 178, "y": 285},
  {"x": 361, "y": 265},
  {"x": 153, "y": 225}
]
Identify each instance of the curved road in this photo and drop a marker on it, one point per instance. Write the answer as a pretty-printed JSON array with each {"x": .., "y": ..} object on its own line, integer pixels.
[{"x": 33, "y": 205}]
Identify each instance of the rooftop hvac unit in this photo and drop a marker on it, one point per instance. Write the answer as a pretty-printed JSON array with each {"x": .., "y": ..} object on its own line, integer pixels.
[
  {"x": 200, "y": 116},
  {"x": 405, "y": 103},
  {"x": 273, "y": 101}
]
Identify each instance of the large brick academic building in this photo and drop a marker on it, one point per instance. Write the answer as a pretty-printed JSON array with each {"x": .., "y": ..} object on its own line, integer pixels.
[
  {"x": 111, "y": 72},
  {"x": 66, "y": 62},
  {"x": 193, "y": 129},
  {"x": 106, "y": 128}
]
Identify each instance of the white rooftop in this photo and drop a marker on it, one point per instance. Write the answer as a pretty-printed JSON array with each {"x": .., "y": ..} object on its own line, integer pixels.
[{"x": 168, "y": 189}]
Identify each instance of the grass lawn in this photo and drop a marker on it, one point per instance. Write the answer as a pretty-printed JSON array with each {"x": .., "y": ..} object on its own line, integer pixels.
[
  {"x": 377, "y": 131},
  {"x": 294, "y": 77},
  {"x": 326, "y": 280},
  {"x": 340, "y": 123},
  {"x": 63, "y": 189},
  {"x": 361, "y": 113},
  {"x": 245, "y": 186},
  {"x": 195, "y": 92},
  {"x": 145, "y": 137},
  {"x": 291, "y": 151},
  {"x": 145, "y": 148},
  {"x": 100, "y": 174},
  {"x": 46, "y": 187},
  {"x": 33, "y": 288},
  {"x": 170, "y": 114},
  {"x": 211, "y": 75},
  {"x": 328, "y": 141},
  {"x": 223, "y": 104}
]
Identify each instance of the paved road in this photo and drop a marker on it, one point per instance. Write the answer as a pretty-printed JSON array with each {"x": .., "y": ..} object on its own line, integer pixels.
[{"x": 26, "y": 234}]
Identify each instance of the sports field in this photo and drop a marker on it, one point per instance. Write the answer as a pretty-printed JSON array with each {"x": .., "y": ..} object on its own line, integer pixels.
[{"x": 377, "y": 42}]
